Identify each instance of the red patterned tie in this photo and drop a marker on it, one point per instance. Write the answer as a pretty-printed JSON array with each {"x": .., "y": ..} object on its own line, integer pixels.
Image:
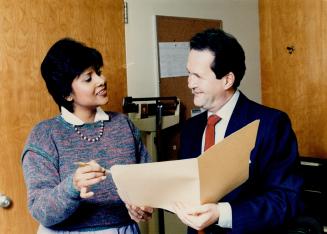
[
  {"x": 210, "y": 131},
  {"x": 210, "y": 138}
]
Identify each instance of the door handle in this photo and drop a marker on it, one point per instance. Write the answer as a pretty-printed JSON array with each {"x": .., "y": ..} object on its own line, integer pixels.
[{"x": 5, "y": 201}]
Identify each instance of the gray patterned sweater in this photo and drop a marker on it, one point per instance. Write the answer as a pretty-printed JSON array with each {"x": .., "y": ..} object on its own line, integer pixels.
[{"x": 48, "y": 164}]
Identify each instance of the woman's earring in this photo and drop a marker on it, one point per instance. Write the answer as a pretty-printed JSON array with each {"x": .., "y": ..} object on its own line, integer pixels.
[{"x": 69, "y": 98}]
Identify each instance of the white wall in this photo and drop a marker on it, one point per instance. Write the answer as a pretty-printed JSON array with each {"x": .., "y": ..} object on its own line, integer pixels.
[{"x": 240, "y": 18}]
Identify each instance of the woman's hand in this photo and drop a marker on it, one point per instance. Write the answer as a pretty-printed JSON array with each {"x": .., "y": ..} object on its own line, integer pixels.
[
  {"x": 139, "y": 214},
  {"x": 86, "y": 175}
]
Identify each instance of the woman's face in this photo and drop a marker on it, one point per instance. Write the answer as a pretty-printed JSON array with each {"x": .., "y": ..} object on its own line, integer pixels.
[{"x": 89, "y": 90}]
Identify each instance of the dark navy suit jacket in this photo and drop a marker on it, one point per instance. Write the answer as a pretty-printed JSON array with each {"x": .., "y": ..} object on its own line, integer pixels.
[{"x": 270, "y": 197}]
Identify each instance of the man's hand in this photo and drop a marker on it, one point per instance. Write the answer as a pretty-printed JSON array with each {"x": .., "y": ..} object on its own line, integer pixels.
[
  {"x": 139, "y": 214},
  {"x": 198, "y": 217}
]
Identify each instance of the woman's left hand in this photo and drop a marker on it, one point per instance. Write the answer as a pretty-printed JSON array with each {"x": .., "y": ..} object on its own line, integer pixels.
[{"x": 139, "y": 214}]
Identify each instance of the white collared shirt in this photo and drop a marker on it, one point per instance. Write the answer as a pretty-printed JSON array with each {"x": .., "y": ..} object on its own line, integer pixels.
[
  {"x": 69, "y": 117},
  {"x": 225, "y": 113}
]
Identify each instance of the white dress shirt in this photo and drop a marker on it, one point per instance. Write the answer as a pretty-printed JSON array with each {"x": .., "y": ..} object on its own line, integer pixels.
[{"x": 225, "y": 113}]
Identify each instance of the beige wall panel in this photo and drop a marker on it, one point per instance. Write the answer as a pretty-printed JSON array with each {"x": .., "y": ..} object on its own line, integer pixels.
[{"x": 28, "y": 28}]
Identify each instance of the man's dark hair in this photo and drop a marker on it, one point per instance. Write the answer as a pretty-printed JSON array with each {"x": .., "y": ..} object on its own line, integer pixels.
[
  {"x": 66, "y": 60},
  {"x": 229, "y": 54}
]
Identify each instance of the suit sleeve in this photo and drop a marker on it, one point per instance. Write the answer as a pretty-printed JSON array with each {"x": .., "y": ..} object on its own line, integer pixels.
[{"x": 275, "y": 184}]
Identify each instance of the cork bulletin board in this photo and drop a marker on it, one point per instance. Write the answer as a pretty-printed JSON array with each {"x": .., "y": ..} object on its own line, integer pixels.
[{"x": 179, "y": 29}]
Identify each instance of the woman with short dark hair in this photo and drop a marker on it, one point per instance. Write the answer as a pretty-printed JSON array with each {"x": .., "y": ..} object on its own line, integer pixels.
[{"x": 64, "y": 159}]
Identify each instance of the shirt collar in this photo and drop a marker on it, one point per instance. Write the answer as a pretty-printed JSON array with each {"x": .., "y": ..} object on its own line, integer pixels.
[
  {"x": 225, "y": 112},
  {"x": 73, "y": 119}
]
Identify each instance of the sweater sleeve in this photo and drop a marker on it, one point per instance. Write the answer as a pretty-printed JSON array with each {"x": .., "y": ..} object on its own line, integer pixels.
[
  {"x": 142, "y": 154},
  {"x": 50, "y": 199}
]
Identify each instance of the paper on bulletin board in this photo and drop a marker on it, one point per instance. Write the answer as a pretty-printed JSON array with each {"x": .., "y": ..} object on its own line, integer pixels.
[
  {"x": 205, "y": 179},
  {"x": 173, "y": 58}
]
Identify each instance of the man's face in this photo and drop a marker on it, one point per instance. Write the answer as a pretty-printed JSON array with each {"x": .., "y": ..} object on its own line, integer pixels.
[{"x": 209, "y": 92}]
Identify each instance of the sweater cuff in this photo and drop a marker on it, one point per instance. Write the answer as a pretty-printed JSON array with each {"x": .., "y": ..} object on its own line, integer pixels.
[{"x": 70, "y": 188}]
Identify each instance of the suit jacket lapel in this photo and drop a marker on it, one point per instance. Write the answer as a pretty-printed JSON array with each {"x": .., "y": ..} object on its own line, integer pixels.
[
  {"x": 199, "y": 131},
  {"x": 239, "y": 115}
]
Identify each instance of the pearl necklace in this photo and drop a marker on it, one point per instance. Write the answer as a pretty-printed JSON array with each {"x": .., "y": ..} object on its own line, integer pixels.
[{"x": 97, "y": 138}]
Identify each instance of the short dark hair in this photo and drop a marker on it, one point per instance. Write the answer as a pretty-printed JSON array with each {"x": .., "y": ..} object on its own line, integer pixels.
[
  {"x": 66, "y": 60},
  {"x": 229, "y": 54}
]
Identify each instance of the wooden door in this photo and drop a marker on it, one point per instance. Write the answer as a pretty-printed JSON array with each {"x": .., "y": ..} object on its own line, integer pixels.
[
  {"x": 294, "y": 67},
  {"x": 28, "y": 28}
]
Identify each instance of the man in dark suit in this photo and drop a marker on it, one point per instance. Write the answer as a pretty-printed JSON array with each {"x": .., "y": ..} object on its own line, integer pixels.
[{"x": 270, "y": 197}]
